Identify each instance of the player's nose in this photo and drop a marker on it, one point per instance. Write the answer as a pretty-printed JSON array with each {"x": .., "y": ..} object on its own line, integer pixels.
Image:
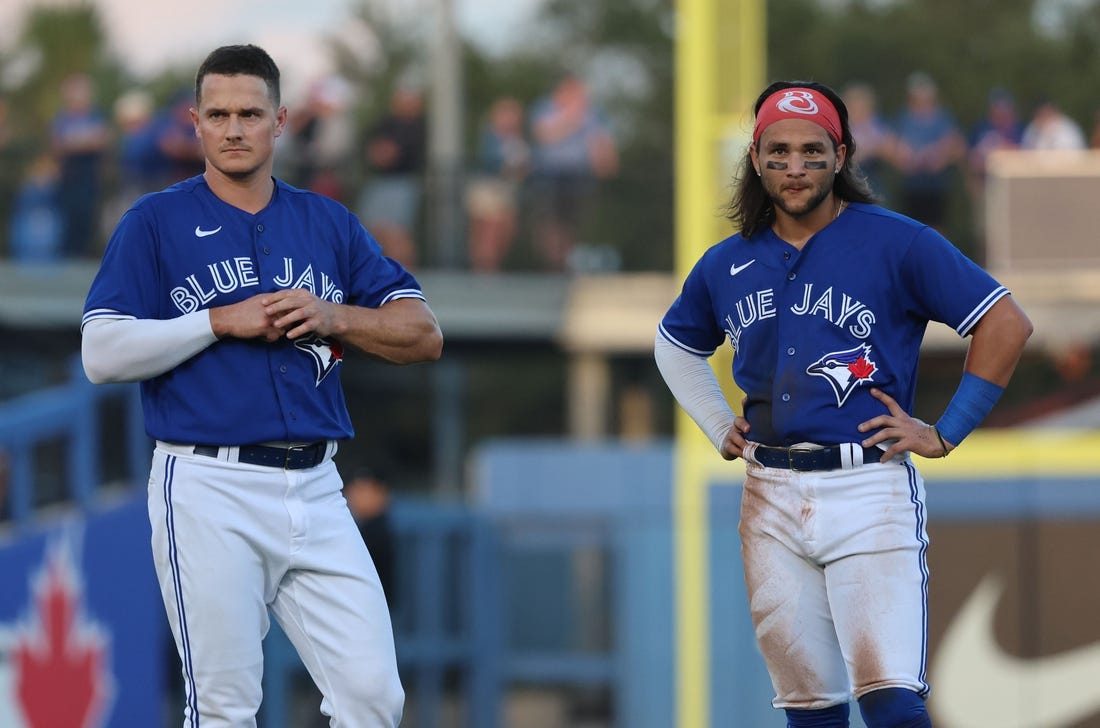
[
  {"x": 234, "y": 129},
  {"x": 796, "y": 165}
]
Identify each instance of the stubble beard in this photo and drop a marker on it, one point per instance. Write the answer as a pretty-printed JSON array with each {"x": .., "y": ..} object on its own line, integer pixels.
[{"x": 811, "y": 205}]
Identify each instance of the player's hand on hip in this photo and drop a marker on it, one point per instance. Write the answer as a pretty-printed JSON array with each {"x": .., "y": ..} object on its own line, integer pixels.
[
  {"x": 297, "y": 311},
  {"x": 733, "y": 446},
  {"x": 907, "y": 433},
  {"x": 244, "y": 320}
]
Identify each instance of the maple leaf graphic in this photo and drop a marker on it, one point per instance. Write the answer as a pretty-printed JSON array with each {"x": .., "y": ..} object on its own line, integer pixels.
[
  {"x": 861, "y": 368},
  {"x": 61, "y": 680}
]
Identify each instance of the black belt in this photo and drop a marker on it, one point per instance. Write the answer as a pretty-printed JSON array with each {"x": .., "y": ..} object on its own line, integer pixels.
[
  {"x": 804, "y": 458},
  {"x": 296, "y": 457}
]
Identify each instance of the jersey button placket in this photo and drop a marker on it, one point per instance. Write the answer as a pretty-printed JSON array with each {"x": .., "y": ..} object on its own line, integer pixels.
[{"x": 785, "y": 397}]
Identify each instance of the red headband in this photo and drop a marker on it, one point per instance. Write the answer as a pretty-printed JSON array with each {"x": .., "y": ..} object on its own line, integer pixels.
[{"x": 797, "y": 103}]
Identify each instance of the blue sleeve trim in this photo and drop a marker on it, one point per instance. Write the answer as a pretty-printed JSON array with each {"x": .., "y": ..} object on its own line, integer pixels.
[
  {"x": 672, "y": 340},
  {"x": 403, "y": 293},
  {"x": 970, "y": 321},
  {"x": 103, "y": 313}
]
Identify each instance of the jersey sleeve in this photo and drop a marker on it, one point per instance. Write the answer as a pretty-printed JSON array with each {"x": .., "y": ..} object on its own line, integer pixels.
[
  {"x": 126, "y": 284},
  {"x": 376, "y": 279},
  {"x": 690, "y": 322},
  {"x": 946, "y": 286}
]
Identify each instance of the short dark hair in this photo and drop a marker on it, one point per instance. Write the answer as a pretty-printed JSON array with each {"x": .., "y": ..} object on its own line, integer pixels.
[
  {"x": 751, "y": 209},
  {"x": 237, "y": 60}
]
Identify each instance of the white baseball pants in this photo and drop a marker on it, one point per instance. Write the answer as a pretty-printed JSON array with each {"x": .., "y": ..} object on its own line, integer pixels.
[
  {"x": 232, "y": 540},
  {"x": 837, "y": 579}
]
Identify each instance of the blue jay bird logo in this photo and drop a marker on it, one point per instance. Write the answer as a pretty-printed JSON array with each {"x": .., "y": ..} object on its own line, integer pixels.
[
  {"x": 325, "y": 354},
  {"x": 845, "y": 370}
]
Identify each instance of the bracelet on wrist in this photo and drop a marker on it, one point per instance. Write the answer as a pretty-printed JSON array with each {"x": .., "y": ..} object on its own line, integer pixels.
[{"x": 940, "y": 438}]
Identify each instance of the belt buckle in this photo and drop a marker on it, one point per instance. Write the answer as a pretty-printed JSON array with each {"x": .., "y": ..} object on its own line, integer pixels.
[
  {"x": 290, "y": 450},
  {"x": 790, "y": 458}
]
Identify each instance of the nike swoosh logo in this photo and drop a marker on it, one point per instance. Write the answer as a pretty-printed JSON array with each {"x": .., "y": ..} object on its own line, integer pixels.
[
  {"x": 200, "y": 233},
  {"x": 735, "y": 269},
  {"x": 976, "y": 683}
]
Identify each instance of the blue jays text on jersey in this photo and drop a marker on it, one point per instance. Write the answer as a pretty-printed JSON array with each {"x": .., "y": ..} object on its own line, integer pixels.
[
  {"x": 201, "y": 289},
  {"x": 184, "y": 249},
  {"x": 814, "y": 328}
]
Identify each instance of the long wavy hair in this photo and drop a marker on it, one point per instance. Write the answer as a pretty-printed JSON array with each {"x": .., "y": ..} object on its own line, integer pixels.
[{"x": 751, "y": 210}]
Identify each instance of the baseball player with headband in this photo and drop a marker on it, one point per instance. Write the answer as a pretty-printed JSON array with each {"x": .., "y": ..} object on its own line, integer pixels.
[
  {"x": 230, "y": 296},
  {"x": 825, "y": 297}
]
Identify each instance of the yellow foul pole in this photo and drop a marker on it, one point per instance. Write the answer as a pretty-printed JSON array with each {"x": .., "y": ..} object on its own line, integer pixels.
[{"x": 720, "y": 60}]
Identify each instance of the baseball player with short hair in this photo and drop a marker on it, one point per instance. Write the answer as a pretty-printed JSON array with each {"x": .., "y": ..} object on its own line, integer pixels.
[
  {"x": 825, "y": 298},
  {"x": 230, "y": 297}
]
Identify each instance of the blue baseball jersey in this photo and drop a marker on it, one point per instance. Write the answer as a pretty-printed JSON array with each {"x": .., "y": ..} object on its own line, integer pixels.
[
  {"x": 184, "y": 249},
  {"x": 814, "y": 329}
]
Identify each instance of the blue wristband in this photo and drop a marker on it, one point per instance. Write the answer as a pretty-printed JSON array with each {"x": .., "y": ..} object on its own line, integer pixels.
[{"x": 973, "y": 401}]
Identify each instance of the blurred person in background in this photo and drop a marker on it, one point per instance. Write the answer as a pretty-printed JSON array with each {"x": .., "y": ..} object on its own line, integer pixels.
[
  {"x": 396, "y": 149},
  {"x": 79, "y": 136},
  {"x": 503, "y": 161},
  {"x": 5, "y": 124},
  {"x": 573, "y": 150},
  {"x": 1000, "y": 129},
  {"x": 321, "y": 139},
  {"x": 1094, "y": 135},
  {"x": 1050, "y": 129},
  {"x": 368, "y": 495},
  {"x": 178, "y": 149},
  {"x": 37, "y": 223},
  {"x": 928, "y": 149},
  {"x": 137, "y": 160},
  {"x": 875, "y": 140},
  {"x": 10, "y": 173}
]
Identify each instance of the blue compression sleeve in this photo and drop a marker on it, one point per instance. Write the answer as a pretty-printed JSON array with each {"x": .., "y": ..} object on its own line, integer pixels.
[
  {"x": 832, "y": 717},
  {"x": 894, "y": 708},
  {"x": 973, "y": 401}
]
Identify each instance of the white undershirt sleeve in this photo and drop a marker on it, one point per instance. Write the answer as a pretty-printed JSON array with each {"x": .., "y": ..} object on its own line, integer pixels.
[
  {"x": 692, "y": 382},
  {"x": 132, "y": 350}
]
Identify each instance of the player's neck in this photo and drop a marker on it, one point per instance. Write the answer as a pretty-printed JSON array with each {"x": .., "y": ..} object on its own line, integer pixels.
[
  {"x": 250, "y": 194},
  {"x": 798, "y": 229}
]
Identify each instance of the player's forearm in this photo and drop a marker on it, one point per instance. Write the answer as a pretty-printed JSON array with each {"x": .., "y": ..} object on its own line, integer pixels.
[
  {"x": 694, "y": 385},
  {"x": 995, "y": 349},
  {"x": 133, "y": 350},
  {"x": 404, "y": 331}
]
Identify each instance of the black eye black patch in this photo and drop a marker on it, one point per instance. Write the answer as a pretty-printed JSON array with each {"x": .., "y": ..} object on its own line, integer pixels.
[
  {"x": 776, "y": 165},
  {"x": 815, "y": 165}
]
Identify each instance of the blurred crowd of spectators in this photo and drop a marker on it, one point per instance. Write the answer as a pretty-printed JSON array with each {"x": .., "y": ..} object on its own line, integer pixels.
[
  {"x": 924, "y": 145},
  {"x": 533, "y": 172},
  {"x": 535, "y": 166}
]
